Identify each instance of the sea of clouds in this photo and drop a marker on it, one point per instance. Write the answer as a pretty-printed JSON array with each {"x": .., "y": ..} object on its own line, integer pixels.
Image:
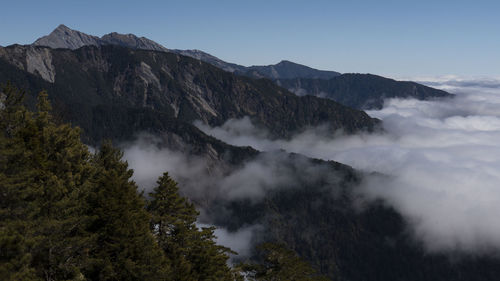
[{"x": 441, "y": 158}]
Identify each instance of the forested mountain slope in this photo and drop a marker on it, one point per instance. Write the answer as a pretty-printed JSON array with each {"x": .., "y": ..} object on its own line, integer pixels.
[{"x": 101, "y": 83}]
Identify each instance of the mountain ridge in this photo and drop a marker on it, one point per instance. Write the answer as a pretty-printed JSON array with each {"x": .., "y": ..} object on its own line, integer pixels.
[
  {"x": 66, "y": 38},
  {"x": 180, "y": 86},
  {"x": 355, "y": 90},
  {"x": 286, "y": 69},
  {"x": 361, "y": 91}
]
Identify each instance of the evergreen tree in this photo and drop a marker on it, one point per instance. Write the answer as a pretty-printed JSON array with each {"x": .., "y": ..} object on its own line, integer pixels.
[
  {"x": 65, "y": 215},
  {"x": 192, "y": 252},
  {"x": 124, "y": 247},
  {"x": 44, "y": 172}
]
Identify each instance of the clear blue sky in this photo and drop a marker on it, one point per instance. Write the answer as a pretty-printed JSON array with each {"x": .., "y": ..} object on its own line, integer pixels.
[{"x": 395, "y": 38}]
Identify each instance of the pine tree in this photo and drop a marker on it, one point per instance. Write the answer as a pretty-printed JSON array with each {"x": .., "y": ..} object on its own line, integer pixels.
[
  {"x": 44, "y": 173},
  {"x": 68, "y": 215},
  {"x": 15, "y": 261},
  {"x": 192, "y": 252},
  {"x": 124, "y": 248}
]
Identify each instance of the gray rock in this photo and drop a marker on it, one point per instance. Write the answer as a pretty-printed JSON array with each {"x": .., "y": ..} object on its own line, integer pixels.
[
  {"x": 67, "y": 38},
  {"x": 36, "y": 60},
  {"x": 39, "y": 61}
]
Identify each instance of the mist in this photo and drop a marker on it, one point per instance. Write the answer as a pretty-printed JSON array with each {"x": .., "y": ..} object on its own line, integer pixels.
[
  {"x": 442, "y": 159},
  {"x": 210, "y": 188}
]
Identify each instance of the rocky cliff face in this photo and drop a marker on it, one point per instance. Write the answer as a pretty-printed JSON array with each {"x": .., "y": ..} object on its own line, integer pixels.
[{"x": 32, "y": 59}]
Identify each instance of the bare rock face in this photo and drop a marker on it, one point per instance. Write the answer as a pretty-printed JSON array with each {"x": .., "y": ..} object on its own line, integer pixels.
[
  {"x": 67, "y": 38},
  {"x": 39, "y": 61},
  {"x": 33, "y": 59}
]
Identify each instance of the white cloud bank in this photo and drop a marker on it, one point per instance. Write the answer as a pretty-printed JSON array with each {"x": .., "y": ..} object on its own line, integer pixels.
[{"x": 443, "y": 159}]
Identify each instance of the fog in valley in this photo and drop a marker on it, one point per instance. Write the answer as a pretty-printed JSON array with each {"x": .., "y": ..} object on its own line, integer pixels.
[{"x": 440, "y": 160}]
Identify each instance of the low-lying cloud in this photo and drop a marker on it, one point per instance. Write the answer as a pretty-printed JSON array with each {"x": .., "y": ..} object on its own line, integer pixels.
[
  {"x": 211, "y": 188},
  {"x": 442, "y": 158}
]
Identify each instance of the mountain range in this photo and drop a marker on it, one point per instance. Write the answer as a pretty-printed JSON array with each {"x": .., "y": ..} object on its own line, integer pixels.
[
  {"x": 67, "y": 38},
  {"x": 179, "y": 87},
  {"x": 360, "y": 91},
  {"x": 117, "y": 86}
]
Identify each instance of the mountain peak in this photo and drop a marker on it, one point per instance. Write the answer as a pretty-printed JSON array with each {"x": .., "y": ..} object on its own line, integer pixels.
[
  {"x": 62, "y": 27},
  {"x": 67, "y": 38},
  {"x": 131, "y": 41},
  {"x": 286, "y": 69}
]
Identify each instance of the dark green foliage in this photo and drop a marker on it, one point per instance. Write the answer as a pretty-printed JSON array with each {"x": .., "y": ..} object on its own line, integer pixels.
[
  {"x": 68, "y": 215},
  {"x": 192, "y": 252},
  {"x": 277, "y": 263},
  {"x": 124, "y": 247},
  {"x": 44, "y": 173}
]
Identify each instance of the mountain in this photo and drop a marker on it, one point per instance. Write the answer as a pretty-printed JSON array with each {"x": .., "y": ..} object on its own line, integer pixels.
[
  {"x": 200, "y": 55},
  {"x": 361, "y": 91},
  {"x": 67, "y": 38},
  {"x": 318, "y": 219},
  {"x": 131, "y": 41},
  {"x": 98, "y": 82},
  {"x": 288, "y": 70},
  {"x": 355, "y": 90},
  {"x": 116, "y": 92}
]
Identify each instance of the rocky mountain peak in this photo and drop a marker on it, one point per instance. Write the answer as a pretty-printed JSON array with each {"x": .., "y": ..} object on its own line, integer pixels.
[
  {"x": 285, "y": 62},
  {"x": 67, "y": 38},
  {"x": 62, "y": 28}
]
